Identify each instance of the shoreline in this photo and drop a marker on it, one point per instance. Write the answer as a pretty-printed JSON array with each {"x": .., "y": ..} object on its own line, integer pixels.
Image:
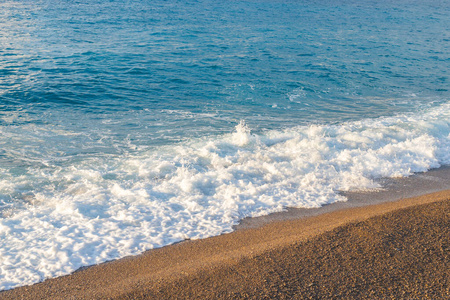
[
  {"x": 392, "y": 189},
  {"x": 252, "y": 238}
]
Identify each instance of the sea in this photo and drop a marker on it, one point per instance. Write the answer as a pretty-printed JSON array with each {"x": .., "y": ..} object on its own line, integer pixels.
[{"x": 127, "y": 125}]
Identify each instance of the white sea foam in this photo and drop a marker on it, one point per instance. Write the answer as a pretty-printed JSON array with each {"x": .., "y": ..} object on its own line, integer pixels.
[{"x": 99, "y": 208}]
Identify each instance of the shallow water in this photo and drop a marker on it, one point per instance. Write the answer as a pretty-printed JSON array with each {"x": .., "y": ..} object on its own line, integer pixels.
[
  {"x": 129, "y": 125},
  {"x": 391, "y": 189}
]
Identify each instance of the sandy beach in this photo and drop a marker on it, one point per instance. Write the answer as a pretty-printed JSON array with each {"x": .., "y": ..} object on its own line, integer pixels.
[{"x": 390, "y": 250}]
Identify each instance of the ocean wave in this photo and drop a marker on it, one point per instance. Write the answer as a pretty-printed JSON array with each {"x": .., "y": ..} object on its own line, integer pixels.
[{"x": 105, "y": 206}]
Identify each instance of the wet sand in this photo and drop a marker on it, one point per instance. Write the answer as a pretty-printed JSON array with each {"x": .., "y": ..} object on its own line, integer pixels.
[{"x": 395, "y": 250}]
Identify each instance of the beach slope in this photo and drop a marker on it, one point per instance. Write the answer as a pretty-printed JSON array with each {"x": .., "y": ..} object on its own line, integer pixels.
[{"x": 396, "y": 250}]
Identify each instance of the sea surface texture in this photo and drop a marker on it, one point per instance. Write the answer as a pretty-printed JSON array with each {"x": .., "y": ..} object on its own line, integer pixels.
[{"x": 130, "y": 125}]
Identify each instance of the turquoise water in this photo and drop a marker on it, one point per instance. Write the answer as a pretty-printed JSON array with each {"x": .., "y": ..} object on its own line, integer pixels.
[
  {"x": 129, "y": 125},
  {"x": 167, "y": 70}
]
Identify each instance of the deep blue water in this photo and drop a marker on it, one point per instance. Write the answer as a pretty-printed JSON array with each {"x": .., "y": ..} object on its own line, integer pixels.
[
  {"x": 120, "y": 121},
  {"x": 164, "y": 70}
]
